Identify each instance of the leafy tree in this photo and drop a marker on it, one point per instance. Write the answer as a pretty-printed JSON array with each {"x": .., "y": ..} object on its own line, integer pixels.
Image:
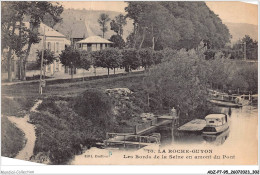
[
  {"x": 103, "y": 20},
  {"x": 109, "y": 58},
  {"x": 251, "y": 47},
  {"x": 146, "y": 57},
  {"x": 36, "y": 11},
  {"x": 175, "y": 24},
  {"x": 118, "y": 24},
  {"x": 184, "y": 87},
  {"x": 114, "y": 26},
  {"x": 70, "y": 57},
  {"x": 157, "y": 57},
  {"x": 118, "y": 41},
  {"x": 130, "y": 59},
  {"x": 48, "y": 58},
  {"x": 96, "y": 106},
  {"x": 13, "y": 41},
  {"x": 85, "y": 58},
  {"x": 15, "y": 12}
]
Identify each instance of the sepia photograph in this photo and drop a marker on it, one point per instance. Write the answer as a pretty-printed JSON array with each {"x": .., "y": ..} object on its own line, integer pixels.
[{"x": 129, "y": 83}]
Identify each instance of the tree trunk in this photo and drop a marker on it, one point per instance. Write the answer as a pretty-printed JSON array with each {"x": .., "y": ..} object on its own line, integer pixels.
[
  {"x": 103, "y": 30},
  {"x": 9, "y": 64},
  {"x": 153, "y": 40},
  {"x": 135, "y": 35},
  {"x": 114, "y": 71},
  {"x": 9, "y": 57},
  {"x": 153, "y": 43},
  {"x": 20, "y": 59},
  {"x": 142, "y": 39},
  {"x": 25, "y": 60},
  {"x": 108, "y": 72}
]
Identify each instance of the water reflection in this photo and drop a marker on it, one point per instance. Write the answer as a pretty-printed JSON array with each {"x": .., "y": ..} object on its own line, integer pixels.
[{"x": 240, "y": 120}]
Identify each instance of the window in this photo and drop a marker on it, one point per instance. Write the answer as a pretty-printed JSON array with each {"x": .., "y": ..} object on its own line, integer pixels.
[{"x": 57, "y": 47}]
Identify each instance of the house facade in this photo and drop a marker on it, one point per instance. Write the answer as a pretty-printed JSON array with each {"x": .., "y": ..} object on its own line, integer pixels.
[
  {"x": 54, "y": 41},
  {"x": 93, "y": 43}
]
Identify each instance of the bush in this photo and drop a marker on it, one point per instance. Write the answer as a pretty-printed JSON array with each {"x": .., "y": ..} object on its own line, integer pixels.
[
  {"x": 60, "y": 131},
  {"x": 95, "y": 106}
]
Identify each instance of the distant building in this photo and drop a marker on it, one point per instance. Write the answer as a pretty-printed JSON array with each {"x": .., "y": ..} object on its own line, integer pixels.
[
  {"x": 93, "y": 43},
  {"x": 54, "y": 41}
]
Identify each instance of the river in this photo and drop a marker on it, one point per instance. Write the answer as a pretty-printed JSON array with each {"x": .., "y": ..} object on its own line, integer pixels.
[{"x": 240, "y": 141}]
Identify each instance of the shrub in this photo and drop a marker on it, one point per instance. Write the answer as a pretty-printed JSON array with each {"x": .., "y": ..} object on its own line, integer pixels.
[{"x": 96, "y": 106}]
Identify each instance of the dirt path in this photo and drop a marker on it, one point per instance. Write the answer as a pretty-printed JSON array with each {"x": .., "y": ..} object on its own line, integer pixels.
[{"x": 29, "y": 131}]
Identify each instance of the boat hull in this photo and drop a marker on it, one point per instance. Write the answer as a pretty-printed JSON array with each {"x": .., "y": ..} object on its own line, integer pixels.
[{"x": 212, "y": 130}]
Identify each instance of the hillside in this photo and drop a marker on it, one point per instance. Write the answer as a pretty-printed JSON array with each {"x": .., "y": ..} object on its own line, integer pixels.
[
  {"x": 83, "y": 23},
  {"x": 239, "y": 30},
  {"x": 79, "y": 23}
]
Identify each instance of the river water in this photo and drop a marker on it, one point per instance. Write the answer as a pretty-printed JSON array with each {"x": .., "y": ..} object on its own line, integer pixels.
[
  {"x": 240, "y": 141},
  {"x": 242, "y": 121}
]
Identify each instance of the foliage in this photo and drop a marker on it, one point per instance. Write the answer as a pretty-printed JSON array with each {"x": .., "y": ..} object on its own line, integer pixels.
[
  {"x": 109, "y": 58},
  {"x": 103, "y": 20},
  {"x": 70, "y": 57},
  {"x": 62, "y": 133},
  {"x": 118, "y": 41},
  {"x": 146, "y": 56},
  {"x": 96, "y": 106},
  {"x": 48, "y": 57},
  {"x": 175, "y": 24},
  {"x": 130, "y": 59},
  {"x": 251, "y": 48},
  {"x": 85, "y": 59},
  {"x": 13, "y": 14},
  {"x": 117, "y": 24}
]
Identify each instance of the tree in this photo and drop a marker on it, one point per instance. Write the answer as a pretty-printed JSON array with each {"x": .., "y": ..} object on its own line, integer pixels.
[
  {"x": 85, "y": 59},
  {"x": 175, "y": 24},
  {"x": 118, "y": 24},
  {"x": 184, "y": 87},
  {"x": 35, "y": 11},
  {"x": 48, "y": 58},
  {"x": 13, "y": 41},
  {"x": 70, "y": 57},
  {"x": 130, "y": 59},
  {"x": 109, "y": 58},
  {"x": 251, "y": 47},
  {"x": 103, "y": 20},
  {"x": 117, "y": 41},
  {"x": 146, "y": 57}
]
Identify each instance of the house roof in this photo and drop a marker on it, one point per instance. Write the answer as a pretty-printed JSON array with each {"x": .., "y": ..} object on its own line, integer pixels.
[
  {"x": 94, "y": 39},
  {"x": 48, "y": 30},
  {"x": 215, "y": 116}
]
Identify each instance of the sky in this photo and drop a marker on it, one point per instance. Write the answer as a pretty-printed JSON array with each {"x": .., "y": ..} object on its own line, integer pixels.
[{"x": 228, "y": 11}]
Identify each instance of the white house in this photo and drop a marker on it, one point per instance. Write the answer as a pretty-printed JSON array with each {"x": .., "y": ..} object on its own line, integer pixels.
[
  {"x": 54, "y": 41},
  {"x": 93, "y": 43}
]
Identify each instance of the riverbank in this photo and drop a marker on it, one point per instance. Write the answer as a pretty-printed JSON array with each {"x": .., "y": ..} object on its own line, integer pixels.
[{"x": 12, "y": 138}]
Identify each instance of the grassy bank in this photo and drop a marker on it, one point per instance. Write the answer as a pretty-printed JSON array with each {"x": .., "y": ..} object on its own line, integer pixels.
[
  {"x": 67, "y": 125},
  {"x": 16, "y": 106},
  {"x": 12, "y": 138}
]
